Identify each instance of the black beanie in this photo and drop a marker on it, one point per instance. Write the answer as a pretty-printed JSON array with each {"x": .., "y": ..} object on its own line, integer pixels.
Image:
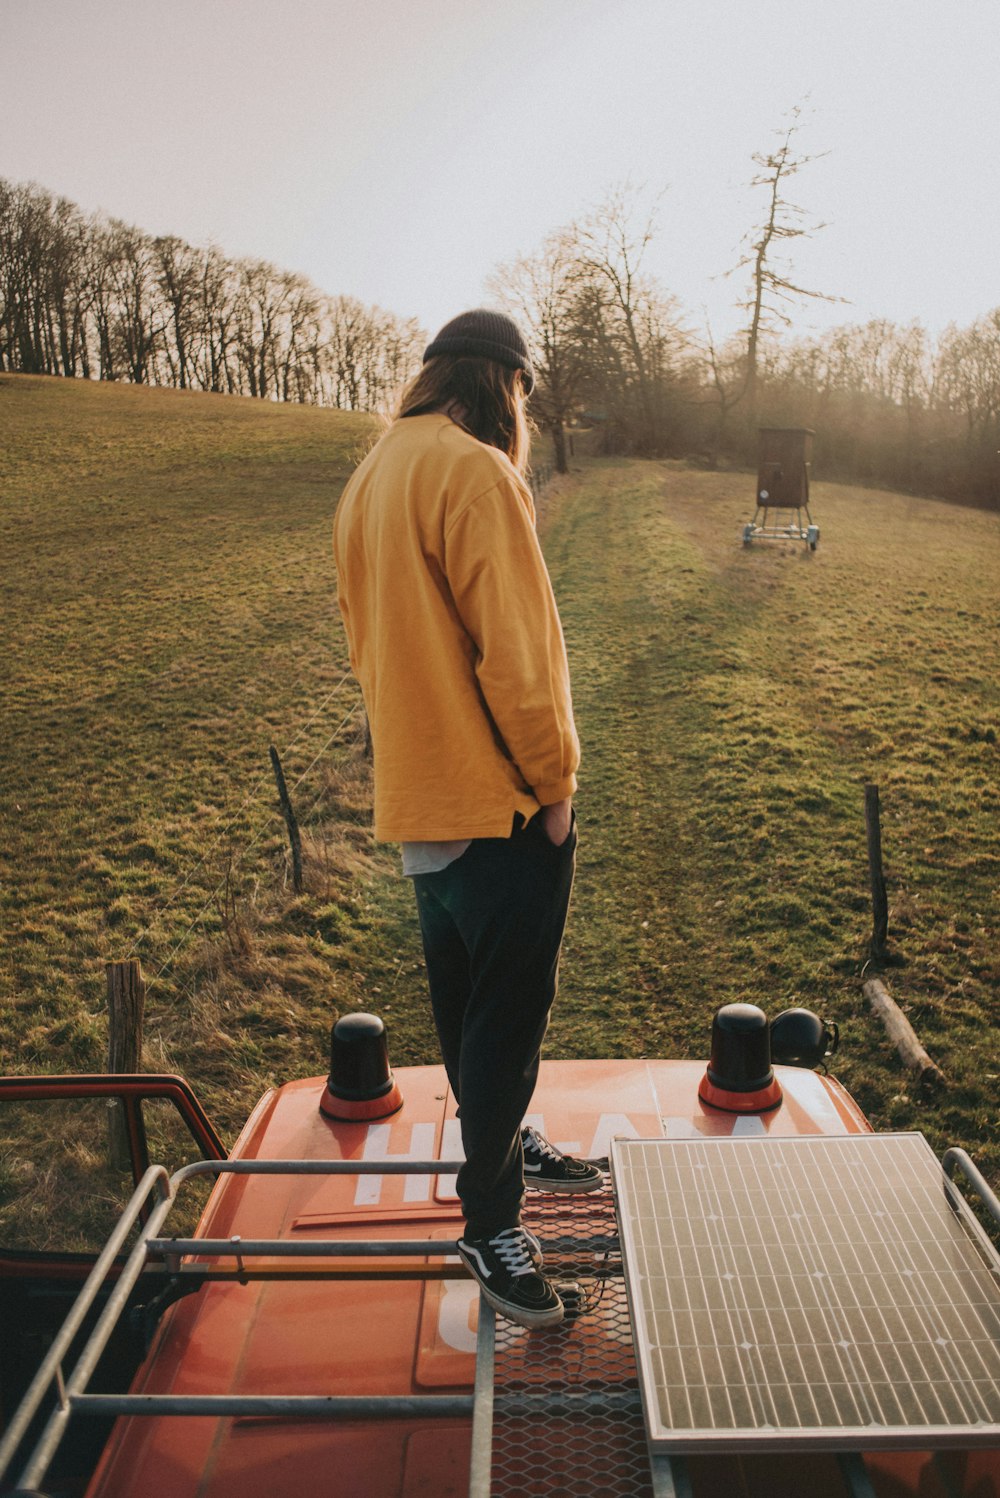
[{"x": 485, "y": 335}]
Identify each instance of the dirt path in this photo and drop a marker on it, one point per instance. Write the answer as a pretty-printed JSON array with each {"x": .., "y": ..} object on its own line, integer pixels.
[{"x": 731, "y": 704}]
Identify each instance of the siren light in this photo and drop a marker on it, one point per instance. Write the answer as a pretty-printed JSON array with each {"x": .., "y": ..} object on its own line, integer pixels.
[
  {"x": 360, "y": 1086},
  {"x": 739, "y": 1078}
]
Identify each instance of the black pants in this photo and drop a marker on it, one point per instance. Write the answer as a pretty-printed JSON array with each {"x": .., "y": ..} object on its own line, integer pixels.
[{"x": 492, "y": 924}]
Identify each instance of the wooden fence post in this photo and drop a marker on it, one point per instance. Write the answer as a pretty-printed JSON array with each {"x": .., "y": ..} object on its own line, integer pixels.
[
  {"x": 880, "y": 902},
  {"x": 288, "y": 813},
  {"x": 126, "y": 1003}
]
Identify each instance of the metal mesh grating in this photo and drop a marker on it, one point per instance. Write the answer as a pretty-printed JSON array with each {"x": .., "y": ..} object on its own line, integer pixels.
[{"x": 567, "y": 1412}]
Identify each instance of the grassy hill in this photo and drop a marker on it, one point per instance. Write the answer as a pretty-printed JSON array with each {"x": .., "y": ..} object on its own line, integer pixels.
[{"x": 172, "y": 612}]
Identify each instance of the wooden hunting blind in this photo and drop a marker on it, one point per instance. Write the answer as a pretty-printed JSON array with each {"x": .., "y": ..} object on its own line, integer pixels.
[{"x": 782, "y": 487}]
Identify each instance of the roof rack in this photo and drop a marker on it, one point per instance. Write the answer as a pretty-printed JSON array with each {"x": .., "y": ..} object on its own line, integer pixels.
[
  {"x": 157, "y": 1186},
  {"x": 517, "y": 1374}
]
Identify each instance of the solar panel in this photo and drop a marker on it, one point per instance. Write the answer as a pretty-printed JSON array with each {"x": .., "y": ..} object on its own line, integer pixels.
[{"x": 823, "y": 1291}]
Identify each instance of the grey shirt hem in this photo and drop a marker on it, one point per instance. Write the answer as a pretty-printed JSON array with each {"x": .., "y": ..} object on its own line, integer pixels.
[{"x": 431, "y": 858}]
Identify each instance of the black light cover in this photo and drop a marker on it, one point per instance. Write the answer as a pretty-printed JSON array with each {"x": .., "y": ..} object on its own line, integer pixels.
[
  {"x": 361, "y": 1085},
  {"x": 739, "y": 1077},
  {"x": 800, "y": 1038},
  {"x": 741, "y": 1049}
]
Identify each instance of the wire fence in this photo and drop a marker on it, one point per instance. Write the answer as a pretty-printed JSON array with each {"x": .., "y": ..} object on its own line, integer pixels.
[
  {"x": 253, "y": 799},
  {"x": 538, "y": 476}
]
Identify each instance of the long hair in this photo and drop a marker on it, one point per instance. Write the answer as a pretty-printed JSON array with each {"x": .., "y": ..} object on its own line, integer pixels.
[{"x": 483, "y": 397}]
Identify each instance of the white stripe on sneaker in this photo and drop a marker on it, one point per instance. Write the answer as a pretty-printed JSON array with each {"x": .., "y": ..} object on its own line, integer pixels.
[{"x": 473, "y": 1253}]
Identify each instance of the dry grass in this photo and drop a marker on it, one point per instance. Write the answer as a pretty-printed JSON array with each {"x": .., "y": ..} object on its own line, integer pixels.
[
  {"x": 732, "y": 703},
  {"x": 174, "y": 612},
  {"x": 173, "y": 607}
]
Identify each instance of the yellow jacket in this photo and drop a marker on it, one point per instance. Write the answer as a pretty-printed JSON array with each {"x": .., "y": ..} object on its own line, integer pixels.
[{"x": 454, "y": 636}]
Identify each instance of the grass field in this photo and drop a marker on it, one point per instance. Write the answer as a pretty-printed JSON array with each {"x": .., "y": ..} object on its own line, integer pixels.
[
  {"x": 172, "y": 612},
  {"x": 171, "y": 607},
  {"x": 732, "y": 703}
]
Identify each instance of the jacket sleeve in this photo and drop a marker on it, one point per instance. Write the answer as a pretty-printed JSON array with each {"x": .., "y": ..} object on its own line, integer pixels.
[{"x": 504, "y": 598}]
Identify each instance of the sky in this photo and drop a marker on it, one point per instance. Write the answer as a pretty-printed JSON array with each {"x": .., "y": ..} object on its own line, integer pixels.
[{"x": 400, "y": 150}]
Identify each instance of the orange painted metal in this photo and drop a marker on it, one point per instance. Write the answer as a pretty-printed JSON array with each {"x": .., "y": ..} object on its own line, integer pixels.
[
  {"x": 354, "y": 1109},
  {"x": 389, "y": 1335},
  {"x": 761, "y": 1101}
]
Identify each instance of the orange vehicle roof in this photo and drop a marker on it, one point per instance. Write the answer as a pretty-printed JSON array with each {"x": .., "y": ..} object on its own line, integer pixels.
[{"x": 370, "y": 1329}]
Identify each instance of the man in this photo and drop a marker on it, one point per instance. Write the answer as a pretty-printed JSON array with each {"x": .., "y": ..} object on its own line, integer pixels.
[{"x": 456, "y": 641}]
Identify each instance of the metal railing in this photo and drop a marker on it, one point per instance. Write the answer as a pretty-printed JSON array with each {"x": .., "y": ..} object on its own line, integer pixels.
[
  {"x": 71, "y": 1397},
  {"x": 956, "y": 1159}
]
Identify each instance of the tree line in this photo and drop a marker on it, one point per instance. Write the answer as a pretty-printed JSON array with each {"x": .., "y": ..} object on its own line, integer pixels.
[
  {"x": 94, "y": 297},
  {"x": 91, "y": 296},
  {"x": 889, "y": 404}
]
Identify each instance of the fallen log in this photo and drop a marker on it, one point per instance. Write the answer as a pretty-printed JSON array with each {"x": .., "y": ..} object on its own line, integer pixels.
[{"x": 901, "y": 1033}]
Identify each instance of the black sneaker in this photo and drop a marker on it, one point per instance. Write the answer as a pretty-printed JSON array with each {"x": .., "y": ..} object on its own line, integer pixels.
[
  {"x": 548, "y": 1169},
  {"x": 509, "y": 1279}
]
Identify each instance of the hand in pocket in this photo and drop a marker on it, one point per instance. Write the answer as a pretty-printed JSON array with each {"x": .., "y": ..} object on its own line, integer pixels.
[{"x": 557, "y": 821}]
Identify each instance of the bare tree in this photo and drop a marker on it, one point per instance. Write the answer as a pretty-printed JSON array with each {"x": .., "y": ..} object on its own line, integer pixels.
[
  {"x": 135, "y": 315},
  {"x": 969, "y": 379},
  {"x": 217, "y": 321},
  {"x": 727, "y": 369},
  {"x": 28, "y": 229},
  {"x": 68, "y": 292},
  {"x": 401, "y": 342},
  {"x": 629, "y": 328},
  {"x": 96, "y": 296},
  {"x": 772, "y": 286},
  {"x": 299, "y": 333},
  {"x": 378, "y": 353},
  {"x": 611, "y": 244},
  {"x": 177, "y": 270},
  {"x": 100, "y": 279},
  {"x": 542, "y": 292}
]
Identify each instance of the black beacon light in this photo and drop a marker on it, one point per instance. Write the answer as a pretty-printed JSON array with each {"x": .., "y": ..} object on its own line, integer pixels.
[
  {"x": 800, "y": 1038},
  {"x": 361, "y": 1085},
  {"x": 740, "y": 1076}
]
